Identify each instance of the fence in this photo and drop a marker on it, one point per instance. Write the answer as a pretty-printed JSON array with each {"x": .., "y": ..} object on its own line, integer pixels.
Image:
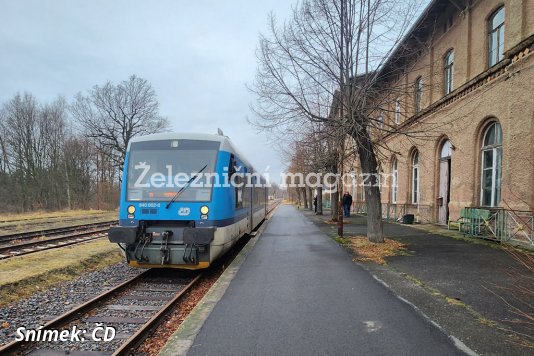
[{"x": 499, "y": 224}]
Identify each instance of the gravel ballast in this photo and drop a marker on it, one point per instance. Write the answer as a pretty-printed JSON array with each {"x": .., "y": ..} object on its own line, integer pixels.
[{"x": 38, "y": 309}]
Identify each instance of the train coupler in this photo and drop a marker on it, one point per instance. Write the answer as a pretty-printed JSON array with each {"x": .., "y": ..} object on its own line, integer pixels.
[
  {"x": 144, "y": 240},
  {"x": 164, "y": 249}
]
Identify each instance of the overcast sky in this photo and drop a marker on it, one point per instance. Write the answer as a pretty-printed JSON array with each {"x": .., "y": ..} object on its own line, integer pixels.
[{"x": 197, "y": 55}]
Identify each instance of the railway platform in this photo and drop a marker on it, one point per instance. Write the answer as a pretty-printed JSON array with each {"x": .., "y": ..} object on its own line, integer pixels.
[{"x": 299, "y": 293}]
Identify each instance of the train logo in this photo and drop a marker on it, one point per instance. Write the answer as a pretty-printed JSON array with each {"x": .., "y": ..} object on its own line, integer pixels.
[{"x": 184, "y": 211}]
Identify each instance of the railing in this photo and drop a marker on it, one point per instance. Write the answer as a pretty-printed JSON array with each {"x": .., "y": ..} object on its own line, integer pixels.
[
  {"x": 519, "y": 226},
  {"x": 393, "y": 212},
  {"x": 359, "y": 207},
  {"x": 499, "y": 224}
]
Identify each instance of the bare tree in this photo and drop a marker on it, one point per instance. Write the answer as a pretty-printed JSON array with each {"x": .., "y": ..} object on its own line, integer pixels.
[
  {"x": 114, "y": 113},
  {"x": 326, "y": 65},
  {"x": 79, "y": 158},
  {"x": 53, "y": 123},
  {"x": 32, "y": 152},
  {"x": 21, "y": 124},
  {"x": 43, "y": 165}
]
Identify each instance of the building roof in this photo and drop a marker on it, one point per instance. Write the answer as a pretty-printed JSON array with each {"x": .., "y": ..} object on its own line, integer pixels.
[{"x": 421, "y": 27}]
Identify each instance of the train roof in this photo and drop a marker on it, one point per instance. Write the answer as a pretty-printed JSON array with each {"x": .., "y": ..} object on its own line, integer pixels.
[{"x": 226, "y": 143}]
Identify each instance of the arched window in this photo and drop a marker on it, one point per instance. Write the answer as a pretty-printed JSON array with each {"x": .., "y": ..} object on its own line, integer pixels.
[
  {"x": 446, "y": 150},
  {"x": 496, "y": 37},
  {"x": 415, "y": 177},
  {"x": 418, "y": 93},
  {"x": 491, "y": 165},
  {"x": 448, "y": 68},
  {"x": 394, "y": 180}
]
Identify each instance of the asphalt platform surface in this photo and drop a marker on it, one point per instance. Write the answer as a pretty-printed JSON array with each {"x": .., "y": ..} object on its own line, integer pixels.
[
  {"x": 467, "y": 285},
  {"x": 299, "y": 293}
]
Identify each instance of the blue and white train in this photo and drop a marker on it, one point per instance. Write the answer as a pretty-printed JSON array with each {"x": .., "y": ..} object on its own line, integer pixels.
[{"x": 185, "y": 200}]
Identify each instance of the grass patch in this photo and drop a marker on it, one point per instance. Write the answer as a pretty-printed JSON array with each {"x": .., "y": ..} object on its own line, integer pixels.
[
  {"x": 46, "y": 215},
  {"x": 367, "y": 251},
  {"x": 55, "y": 222},
  {"x": 23, "y": 276},
  {"x": 418, "y": 282},
  {"x": 455, "y": 302},
  {"x": 456, "y": 235},
  {"x": 341, "y": 240}
]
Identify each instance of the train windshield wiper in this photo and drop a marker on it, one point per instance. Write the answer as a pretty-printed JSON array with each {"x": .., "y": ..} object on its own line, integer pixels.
[{"x": 184, "y": 187}]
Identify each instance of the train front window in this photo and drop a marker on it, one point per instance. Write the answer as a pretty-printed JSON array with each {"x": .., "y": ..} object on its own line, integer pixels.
[{"x": 157, "y": 170}]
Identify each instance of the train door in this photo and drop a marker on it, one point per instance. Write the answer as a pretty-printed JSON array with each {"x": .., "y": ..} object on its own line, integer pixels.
[{"x": 252, "y": 196}]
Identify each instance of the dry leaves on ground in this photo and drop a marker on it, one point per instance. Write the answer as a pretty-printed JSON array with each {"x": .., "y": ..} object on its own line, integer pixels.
[
  {"x": 367, "y": 251},
  {"x": 331, "y": 222}
]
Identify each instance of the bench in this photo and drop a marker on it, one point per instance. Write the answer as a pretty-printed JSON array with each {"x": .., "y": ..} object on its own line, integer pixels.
[
  {"x": 471, "y": 220},
  {"x": 462, "y": 219}
]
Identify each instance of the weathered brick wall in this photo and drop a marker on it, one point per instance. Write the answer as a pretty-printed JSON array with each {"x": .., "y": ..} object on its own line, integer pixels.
[
  {"x": 508, "y": 99},
  {"x": 507, "y": 96}
]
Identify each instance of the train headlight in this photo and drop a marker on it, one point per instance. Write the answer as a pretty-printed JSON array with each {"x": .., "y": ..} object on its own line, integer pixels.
[
  {"x": 204, "y": 210},
  {"x": 131, "y": 209}
]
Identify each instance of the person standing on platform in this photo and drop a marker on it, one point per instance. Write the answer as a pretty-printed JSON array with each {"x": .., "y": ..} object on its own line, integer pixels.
[
  {"x": 315, "y": 204},
  {"x": 347, "y": 202}
]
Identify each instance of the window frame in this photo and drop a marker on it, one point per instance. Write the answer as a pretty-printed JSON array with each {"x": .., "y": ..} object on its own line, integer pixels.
[
  {"x": 394, "y": 180},
  {"x": 448, "y": 72},
  {"x": 416, "y": 183},
  {"x": 398, "y": 110},
  {"x": 418, "y": 94},
  {"x": 493, "y": 52},
  {"x": 496, "y": 151}
]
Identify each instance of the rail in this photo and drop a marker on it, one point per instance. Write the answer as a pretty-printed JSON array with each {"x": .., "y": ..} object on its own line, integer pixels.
[
  {"x": 54, "y": 231},
  {"x": 102, "y": 302}
]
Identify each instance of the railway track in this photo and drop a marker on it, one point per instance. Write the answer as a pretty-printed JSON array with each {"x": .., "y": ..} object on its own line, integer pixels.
[
  {"x": 124, "y": 315},
  {"x": 43, "y": 221},
  {"x": 55, "y": 231},
  {"x": 60, "y": 237},
  {"x": 134, "y": 309},
  {"x": 34, "y": 241}
]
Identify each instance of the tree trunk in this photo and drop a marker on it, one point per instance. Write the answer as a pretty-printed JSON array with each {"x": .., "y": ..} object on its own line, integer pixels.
[
  {"x": 375, "y": 228},
  {"x": 305, "y": 198},
  {"x": 340, "y": 216},
  {"x": 334, "y": 206},
  {"x": 310, "y": 199},
  {"x": 320, "y": 201}
]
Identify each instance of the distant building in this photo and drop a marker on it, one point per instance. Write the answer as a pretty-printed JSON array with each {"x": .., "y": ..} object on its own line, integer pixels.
[{"x": 472, "y": 88}]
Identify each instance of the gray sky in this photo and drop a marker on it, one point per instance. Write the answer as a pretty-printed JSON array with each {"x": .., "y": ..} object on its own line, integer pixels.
[{"x": 197, "y": 55}]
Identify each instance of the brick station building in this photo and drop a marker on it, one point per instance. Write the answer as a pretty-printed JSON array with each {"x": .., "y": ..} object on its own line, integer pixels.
[{"x": 472, "y": 99}]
